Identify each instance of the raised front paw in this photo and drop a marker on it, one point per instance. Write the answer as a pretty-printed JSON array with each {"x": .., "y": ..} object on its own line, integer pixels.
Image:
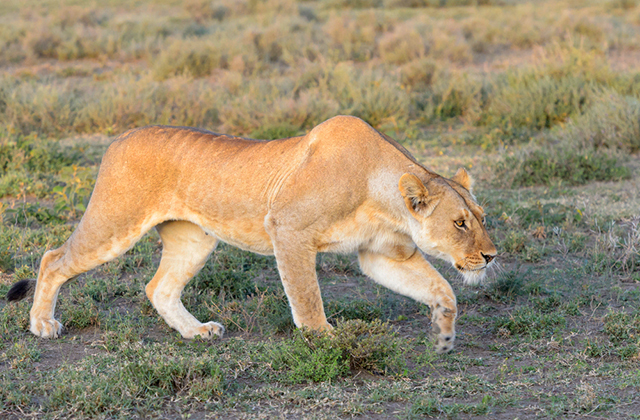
[
  {"x": 443, "y": 324},
  {"x": 444, "y": 343},
  {"x": 46, "y": 328}
]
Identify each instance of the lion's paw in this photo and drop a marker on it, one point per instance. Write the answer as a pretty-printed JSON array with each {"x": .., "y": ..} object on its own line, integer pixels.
[
  {"x": 208, "y": 330},
  {"x": 46, "y": 328},
  {"x": 444, "y": 343}
]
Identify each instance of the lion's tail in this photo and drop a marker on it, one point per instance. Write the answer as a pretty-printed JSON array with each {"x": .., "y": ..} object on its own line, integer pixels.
[{"x": 21, "y": 290}]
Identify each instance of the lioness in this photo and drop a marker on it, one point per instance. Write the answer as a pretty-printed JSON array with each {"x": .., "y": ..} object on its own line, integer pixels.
[{"x": 343, "y": 187}]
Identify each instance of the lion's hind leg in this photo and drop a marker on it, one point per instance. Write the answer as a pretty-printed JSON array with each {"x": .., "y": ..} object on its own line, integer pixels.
[
  {"x": 51, "y": 277},
  {"x": 84, "y": 250},
  {"x": 186, "y": 248}
]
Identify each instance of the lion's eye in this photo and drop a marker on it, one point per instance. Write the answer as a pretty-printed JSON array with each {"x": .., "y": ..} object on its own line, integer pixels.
[
  {"x": 459, "y": 223},
  {"x": 484, "y": 220}
]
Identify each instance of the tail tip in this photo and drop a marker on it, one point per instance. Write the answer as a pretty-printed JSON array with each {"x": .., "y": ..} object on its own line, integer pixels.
[{"x": 20, "y": 290}]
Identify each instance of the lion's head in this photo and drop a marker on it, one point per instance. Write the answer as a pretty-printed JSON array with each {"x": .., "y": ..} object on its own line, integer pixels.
[{"x": 448, "y": 223}]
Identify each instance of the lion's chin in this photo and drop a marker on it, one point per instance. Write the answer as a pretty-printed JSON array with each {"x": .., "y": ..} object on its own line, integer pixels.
[{"x": 474, "y": 277}]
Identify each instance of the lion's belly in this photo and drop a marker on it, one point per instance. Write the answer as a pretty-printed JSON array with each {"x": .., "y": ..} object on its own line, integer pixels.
[
  {"x": 232, "y": 216},
  {"x": 246, "y": 234}
]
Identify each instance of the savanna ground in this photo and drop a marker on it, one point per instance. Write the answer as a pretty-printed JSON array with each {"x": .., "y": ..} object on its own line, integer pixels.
[{"x": 539, "y": 100}]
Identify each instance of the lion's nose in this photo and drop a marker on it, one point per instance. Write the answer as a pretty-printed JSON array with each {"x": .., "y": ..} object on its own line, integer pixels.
[{"x": 488, "y": 258}]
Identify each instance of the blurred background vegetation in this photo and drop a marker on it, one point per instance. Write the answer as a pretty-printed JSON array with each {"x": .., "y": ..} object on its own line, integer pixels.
[{"x": 550, "y": 88}]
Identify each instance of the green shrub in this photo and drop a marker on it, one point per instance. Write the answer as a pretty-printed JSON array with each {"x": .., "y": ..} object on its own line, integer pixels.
[
  {"x": 275, "y": 108},
  {"x": 354, "y": 345},
  {"x": 192, "y": 57},
  {"x": 547, "y": 304},
  {"x": 368, "y": 95},
  {"x": 514, "y": 242},
  {"x": 371, "y": 346},
  {"x": 419, "y": 74},
  {"x": 425, "y": 407},
  {"x": 202, "y": 10},
  {"x": 110, "y": 106},
  {"x": 314, "y": 361},
  {"x": 535, "y": 100},
  {"x": 454, "y": 95},
  {"x": 199, "y": 376},
  {"x": 28, "y": 165},
  {"x": 261, "y": 309},
  {"x": 7, "y": 262},
  {"x": 44, "y": 43},
  {"x": 612, "y": 122},
  {"x": 275, "y": 309},
  {"x": 41, "y": 106},
  {"x": 339, "y": 264},
  {"x": 548, "y": 214},
  {"x": 106, "y": 288},
  {"x": 595, "y": 349},
  {"x": 401, "y": 46}
]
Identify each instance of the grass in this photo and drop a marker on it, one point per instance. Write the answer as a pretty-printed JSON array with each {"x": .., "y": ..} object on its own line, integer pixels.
[
  {"x": 570, "y": 166},
  {"x": 538, "y": 100}
]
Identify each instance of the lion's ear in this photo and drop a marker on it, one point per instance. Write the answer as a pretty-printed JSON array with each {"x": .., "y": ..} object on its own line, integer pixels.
[
  {"x": 416, "y": 196},
  {"x": 463, "y": 178}
]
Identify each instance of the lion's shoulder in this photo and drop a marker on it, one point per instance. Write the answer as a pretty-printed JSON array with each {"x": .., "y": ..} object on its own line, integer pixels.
[{"x": 341, "y": 127}]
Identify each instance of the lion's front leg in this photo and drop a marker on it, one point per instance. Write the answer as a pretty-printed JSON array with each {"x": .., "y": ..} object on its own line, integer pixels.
[
  {"x": 416, "y": 278},
  {"x": 297, "y": 266}
]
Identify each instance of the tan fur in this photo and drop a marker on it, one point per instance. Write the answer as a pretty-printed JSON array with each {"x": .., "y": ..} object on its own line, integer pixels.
[{"x": 343, "y": 187}]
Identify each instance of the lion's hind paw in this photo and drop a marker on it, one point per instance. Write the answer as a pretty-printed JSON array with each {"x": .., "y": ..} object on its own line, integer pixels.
[
  {"x": 46, "y": 328},
  {"x": 210, "y": 329}
]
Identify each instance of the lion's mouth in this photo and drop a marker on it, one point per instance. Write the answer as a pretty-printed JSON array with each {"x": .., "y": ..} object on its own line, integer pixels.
[
  {"x": 473, "y": 275},
  {"x": 464, "y": 269}
]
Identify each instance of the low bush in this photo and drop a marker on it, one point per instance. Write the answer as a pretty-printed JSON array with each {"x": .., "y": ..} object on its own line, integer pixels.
[
  {"x": 191, "y": 57},
  {"x": 453, "y": 95},
  {"x": 353, "y": 345},
  {"x": 401, "y": 46},
  {"x": 612, "y": 122},
  {"x": 368, "y": 95},
  {"x": 535, "y": 100}
]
